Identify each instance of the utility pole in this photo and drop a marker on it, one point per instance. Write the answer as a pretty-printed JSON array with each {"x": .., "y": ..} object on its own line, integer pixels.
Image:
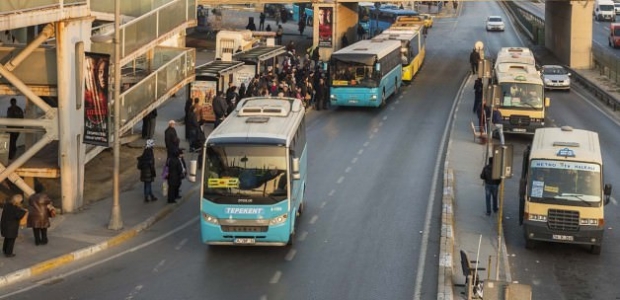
[{"x": 116, "y": 222}]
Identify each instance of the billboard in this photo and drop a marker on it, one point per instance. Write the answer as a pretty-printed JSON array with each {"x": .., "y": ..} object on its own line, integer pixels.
[
  {"x": 205, "y": 91},
  {"x": 325, "y": 16},
  {"x": 96, "y": 102}
]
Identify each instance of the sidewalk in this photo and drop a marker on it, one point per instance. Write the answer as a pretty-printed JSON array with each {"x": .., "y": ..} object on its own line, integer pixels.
[{"x": 464, "y": 223}]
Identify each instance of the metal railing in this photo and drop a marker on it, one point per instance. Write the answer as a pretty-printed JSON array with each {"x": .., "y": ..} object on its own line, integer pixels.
[
  {"x": 147, "y": 29},
  {"x": 20, "y": 6},
  {"x": 128, "y": 8},
  {"x": 173, "y": 66}
]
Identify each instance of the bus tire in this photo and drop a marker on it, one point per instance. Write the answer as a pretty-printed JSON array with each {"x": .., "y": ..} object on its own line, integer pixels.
[
  {"x": 596, "y": 249},
  {"x": 300, "y": 210},
  {"x": 529, "y": 243},
  {"x": 396, "y": 87},
  {"x": 383, "y": 102}
]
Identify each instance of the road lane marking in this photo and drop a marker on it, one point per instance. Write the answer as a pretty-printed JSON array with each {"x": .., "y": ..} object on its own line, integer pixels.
[
  {"x": 313, "y": 219},
  {"x": 340, "y": 180},
  {"x": 323, "y": 204},
  {"x": 135, "y": 291},
  {"x": 159, "y": 265},
  {"x": 180, "y": 245},
  {"x": 359, "y": 152},
  {"x": 302, "y": 236},
  {"x": 276, "y": 277},
  {"x": 354, "y": 160},
  {"x": 347, "y": 170},
  {"x": 290, "y": 255},
  {"x": 366, "y": 144},
  {"x": 53, "y": 279}
]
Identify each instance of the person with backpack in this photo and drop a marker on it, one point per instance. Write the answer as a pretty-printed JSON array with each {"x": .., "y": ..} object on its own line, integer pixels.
[
  {"x": 146, "y": 165},
  {"x": 491, "y": 186}
]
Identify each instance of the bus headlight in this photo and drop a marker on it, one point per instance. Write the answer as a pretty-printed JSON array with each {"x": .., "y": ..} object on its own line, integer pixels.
[
  {"x": 537, "y": 218},
  {"x": 210, "y": 219},
  {"x": 373, "y": 97},
  {"x": 588, "y": 222},
  {"x": 278, "y": 220}
]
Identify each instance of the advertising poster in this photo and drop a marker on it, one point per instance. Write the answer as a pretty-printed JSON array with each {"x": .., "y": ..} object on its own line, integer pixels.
[
  {"x": 96, "y": 108},
  {"x": 205, "y": 91},
  {"x": 325, "y": 17}
]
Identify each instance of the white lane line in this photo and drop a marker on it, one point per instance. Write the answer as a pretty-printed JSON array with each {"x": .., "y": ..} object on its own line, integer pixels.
[
  {"x": 359, "y": 152},
  {"x": 380, "y": 124},
  {"x": 263, "y": 297},
  {"x": 313, "y": 219},
  {"x": 276, "y": 277},
  {"x": 159, "y": 265},
  {"x": 340, "y": 180},
  {"x": 613, "y": 200},
  {"x": 290, "y": 255},
  {"x": 371, "y": 136},
  {"x": 303, "y": 236},
  {"x": 180, "y": 245},
  {"x": 391, "y": 107},
  {"x": 366, "y": 144},
  {"x": 375, "y": 130},
  {"x": 331, "y": 193},
  {"x": 135, "y": 292},
  {"x": 384, "y": 118},
  {"x": 354, "y": 160},
  {"x": 348, "y": 169},
  {"x": 103, "y": 261},
  {"x": 323, "y": 204}
]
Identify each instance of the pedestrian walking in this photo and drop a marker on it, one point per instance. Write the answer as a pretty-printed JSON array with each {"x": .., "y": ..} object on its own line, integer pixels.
[
  {"x": 279, "y": 34},
  {"x": 175, "y": 175},
  {"x": 491, "y": 186},
  {"x": 302, "y": 24},
  {"x": 40, "y": 210},
  {"x": 261, "y": 21},
  {"x": 321, "y": 99},
  {"x": 478, "y": 87},
  {"x": 474, "y": 58},
  {"x": 148, "y": 125},
  {"x": 170, "y": 135},
  {"x": 12, "y": 213},
  {"x": 14, "y": 112},
  {"x": 146, "y": 165}
]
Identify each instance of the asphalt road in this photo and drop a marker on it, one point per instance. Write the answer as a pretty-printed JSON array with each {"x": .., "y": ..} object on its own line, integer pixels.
[{"x": 370, "y": 230}]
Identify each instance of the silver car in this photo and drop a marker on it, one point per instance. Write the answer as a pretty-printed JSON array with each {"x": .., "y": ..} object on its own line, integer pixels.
[
  {"x": 555, "y": 77},
  {"x": 495, "y": 23}
]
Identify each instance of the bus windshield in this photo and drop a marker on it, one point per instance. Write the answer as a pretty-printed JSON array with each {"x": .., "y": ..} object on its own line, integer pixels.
[
  {"x": 353, "y": 74},
  {"x": 245, "y": 174},
  {"x": 561, "y": 181},
  {"x": 524, "y": 96}
]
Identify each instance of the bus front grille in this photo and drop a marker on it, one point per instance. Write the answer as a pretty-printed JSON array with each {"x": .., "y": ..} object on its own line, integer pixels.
[
  {"x": 227, "y": 228},
  {"x": 564, "y": 220},
  {"x": 518, "y": 120}
]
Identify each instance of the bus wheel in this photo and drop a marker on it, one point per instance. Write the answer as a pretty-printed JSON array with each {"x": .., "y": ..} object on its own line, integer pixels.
[
  {"x": 595, "y": 249},
  {"x": 383, "y": 99},
  {"x": 300, "y": 210},
  {"x": 396, "y": 87}
]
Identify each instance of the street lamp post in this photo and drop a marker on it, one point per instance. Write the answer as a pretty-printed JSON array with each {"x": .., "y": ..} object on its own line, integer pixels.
[{"x": 116, "y": 221}]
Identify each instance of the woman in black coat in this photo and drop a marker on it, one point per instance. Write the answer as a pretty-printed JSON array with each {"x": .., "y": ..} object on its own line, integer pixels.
[
  {"x": 146, "y": 164},
  {"x": 9, "y": 223},
  {"x": 175, "y": 175}
]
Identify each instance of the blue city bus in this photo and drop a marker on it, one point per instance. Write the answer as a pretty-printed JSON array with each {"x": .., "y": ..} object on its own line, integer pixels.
[
  {"x": 386, "y": 17},
  {"x": 254, "y": 174},
  {"x": 365, "y": 73}
]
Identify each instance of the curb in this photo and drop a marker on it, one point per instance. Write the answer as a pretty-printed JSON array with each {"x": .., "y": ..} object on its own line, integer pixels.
[
  {"x": 446, "y": 244},
  {"x": 62, "y": 260}
]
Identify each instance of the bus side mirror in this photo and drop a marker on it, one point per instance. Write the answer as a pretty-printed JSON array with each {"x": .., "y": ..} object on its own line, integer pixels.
[
  {"x": 547, "y": 101},
  {"x": 296, "y": 175},
  {"x": 607, "y": 192}
]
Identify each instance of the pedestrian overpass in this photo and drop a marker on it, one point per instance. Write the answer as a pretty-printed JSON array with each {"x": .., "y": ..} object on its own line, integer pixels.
[{"x": 42, "y": 61}]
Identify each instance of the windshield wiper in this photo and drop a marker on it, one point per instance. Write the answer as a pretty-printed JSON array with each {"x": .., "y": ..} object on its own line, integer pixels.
[{"x": 577, "y": 196}]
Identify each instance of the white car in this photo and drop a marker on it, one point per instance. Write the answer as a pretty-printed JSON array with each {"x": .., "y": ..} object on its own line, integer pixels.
[
  {"x": 495, "y": 23},
  {"x": 555, "y": 77},
  {"x": 617, "y": 8}
]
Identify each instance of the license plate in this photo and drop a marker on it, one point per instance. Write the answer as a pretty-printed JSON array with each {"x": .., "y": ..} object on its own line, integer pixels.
[
  {"x": 245, "y": 241},
  {"x": 352, "y": 101},
  {"x": 562, "y": 237},
  {"x": 519, "y": 130}
]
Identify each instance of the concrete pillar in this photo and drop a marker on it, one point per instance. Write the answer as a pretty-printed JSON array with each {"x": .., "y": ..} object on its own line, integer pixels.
[
  {"x": 567, "y": 35},
  {"x": 70, "y": 110}
]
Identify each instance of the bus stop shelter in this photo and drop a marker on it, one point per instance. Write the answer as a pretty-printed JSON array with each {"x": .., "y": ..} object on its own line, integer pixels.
[
  {"x": 258, "y": 59},
  {"x": 211, "y": 78}
]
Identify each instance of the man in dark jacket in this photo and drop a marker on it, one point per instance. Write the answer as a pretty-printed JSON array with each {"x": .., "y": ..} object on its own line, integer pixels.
[
  {"x": 491, "y": 186},
  {"x": 474, "y": 58},
  {"x": 170, "y": 135},
  {"x": 220, "y": 109},
  {"x": 12, "y": 213},
  {"x": 175, "y": 175},
  {"x": 477, "y": 94},
  {"x": 15, "y": 112}
]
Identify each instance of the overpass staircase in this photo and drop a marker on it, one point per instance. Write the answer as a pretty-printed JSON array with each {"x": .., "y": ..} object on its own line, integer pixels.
[{"x": 154, "y": 61}]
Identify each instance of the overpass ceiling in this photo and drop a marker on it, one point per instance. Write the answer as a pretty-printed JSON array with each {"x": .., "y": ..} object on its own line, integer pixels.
[{"x": 259, "y": 2}]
